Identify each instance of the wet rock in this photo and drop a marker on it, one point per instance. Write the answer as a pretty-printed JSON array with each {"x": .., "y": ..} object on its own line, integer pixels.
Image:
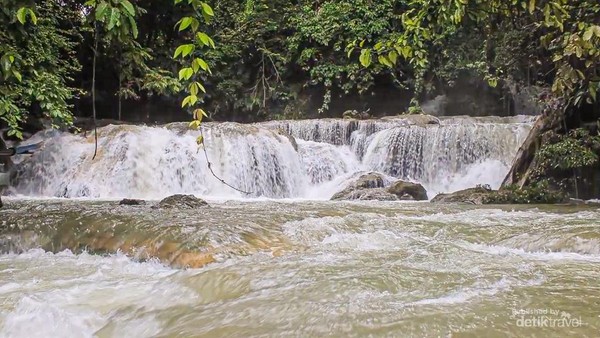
[
  {"x": 477, "y": 195},
  {"x": 422, "y": 119},
  {"x": 414, "y": 119},
  {"x": 370, "y": 180},
  {"x": 128, "y": 201},
  {"x": 287, "y": 135},
  {"x": 377, "y": 194},
  {"x": 181, "y": 202},
  {"x": 356, "y": 115},
  {"x": 408, "y": 190},
  {"x": 350, "y": 114}
]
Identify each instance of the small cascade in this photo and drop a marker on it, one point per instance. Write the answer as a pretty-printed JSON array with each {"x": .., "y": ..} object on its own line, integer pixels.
[
  {"x": 435, "y": 155},
  {"x": 277, "y": 159},
  {"x": 154, "y": 162}
]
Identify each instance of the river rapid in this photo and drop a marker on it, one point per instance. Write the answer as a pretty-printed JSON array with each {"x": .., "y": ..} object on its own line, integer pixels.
[{"x": 298, "y": 268}]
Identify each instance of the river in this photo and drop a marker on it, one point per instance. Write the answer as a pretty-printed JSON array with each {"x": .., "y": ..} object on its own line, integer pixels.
[
  {"x": 83, "y": 269},
  {"x": 285, "y": 261}
]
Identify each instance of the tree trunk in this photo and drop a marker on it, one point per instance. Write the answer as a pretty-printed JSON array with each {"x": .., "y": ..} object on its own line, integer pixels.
[{"x": 525, "y": 161}]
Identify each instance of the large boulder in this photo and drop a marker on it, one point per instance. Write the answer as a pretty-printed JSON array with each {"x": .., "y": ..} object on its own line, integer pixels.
[
  {"x": 477, "y": 195},
  {"x": 408, "y": 190},
  {"x": 369, "y": 180},
  {"x": 181, "y": 202}
]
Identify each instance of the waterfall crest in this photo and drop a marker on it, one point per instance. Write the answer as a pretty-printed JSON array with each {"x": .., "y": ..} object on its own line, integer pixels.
[{"x": 277, "y": 159}]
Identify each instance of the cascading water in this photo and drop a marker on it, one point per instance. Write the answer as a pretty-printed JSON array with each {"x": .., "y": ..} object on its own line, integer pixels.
[{"x": 152, "y": 162}]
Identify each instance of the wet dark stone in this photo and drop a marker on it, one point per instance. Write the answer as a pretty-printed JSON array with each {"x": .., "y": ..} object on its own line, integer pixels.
[
  {"x": 128, "y": 201},
  {"x": 181, "y": 202}
]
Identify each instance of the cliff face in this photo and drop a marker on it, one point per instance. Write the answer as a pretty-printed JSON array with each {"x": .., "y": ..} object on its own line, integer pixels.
[{"x": 562, "y": 150}]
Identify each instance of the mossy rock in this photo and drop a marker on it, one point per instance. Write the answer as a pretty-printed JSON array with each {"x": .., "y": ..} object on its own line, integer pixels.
[
  {"x": 477, "y": 195},
  {"x": 181, "y": 202}
]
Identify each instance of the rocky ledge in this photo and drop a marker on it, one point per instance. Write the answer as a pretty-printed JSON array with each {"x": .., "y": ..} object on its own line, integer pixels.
[{"x": 485, "y": 195}]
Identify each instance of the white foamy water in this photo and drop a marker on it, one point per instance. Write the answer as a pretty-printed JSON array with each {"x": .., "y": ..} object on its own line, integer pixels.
[
  {"x": 153, "y": 162},
  {"x": 344, "y": 269}
]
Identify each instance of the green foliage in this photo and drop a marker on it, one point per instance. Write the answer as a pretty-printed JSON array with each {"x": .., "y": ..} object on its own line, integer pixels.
[
  {"x": 557, "y": 37},
  {"x": 37, "y": 64},
  {"x": 575, "y": 150},
  {"x": 537, "y": 193},
  {"x": 193, "y": 64}
]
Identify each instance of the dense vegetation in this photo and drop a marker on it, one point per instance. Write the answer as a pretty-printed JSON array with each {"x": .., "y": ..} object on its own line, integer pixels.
[{"x": 295, "y": 59}]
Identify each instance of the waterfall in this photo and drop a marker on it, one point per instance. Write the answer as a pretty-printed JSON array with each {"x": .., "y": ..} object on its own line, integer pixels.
[{"x": 277, "y": 159}]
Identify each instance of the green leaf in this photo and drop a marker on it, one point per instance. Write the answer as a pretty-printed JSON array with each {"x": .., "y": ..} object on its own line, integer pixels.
[
  {"x": 384, "y": 61},
  {"x": 128, "y": 7},
  {"x": 185, "y": 102},
  {"x": 365, "y": 58},
  {"x": 100, "y": 11},
  {"x": 21, "y": 15},
  {"x": 178, "y": 51},
  {"x": 531, "y": 6},
  {"x": 207, "y": 9},
  {"x": 589, "y": 33},
  {"x": 185, "y": 73},
  {"x": 133, "y": 24},
  {"x": 199, "y": 113},
  {"x": 187, "y": 49},
  {"x": 195, "y": 124},
  {"x": 32, "y": 15},
  {"x": 205, "y": 39},
  {"x": 17, "y": 75},
  {"x": 200, "y": 140},
  {"x": 203, "y": 65},
  {"x": 193, "y": 88},
  {"x": 393, "y": 57},
  {"x": 185, "y": 23},
  {"x": 113, "y": 18}
]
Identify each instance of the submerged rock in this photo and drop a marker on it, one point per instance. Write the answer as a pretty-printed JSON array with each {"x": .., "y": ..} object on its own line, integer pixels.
[
  {"x": 287, "y": 135},
  {"x": 414, "y": 119},
  {"x": 376, "y": 194},
  {"x": 422, "y": 119},
  {"x": 128, "y": 201},
  {"x": 408, "y": 190},
  {"x": 181, "y": 202},
  {"x": 477, "y": 195}
]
